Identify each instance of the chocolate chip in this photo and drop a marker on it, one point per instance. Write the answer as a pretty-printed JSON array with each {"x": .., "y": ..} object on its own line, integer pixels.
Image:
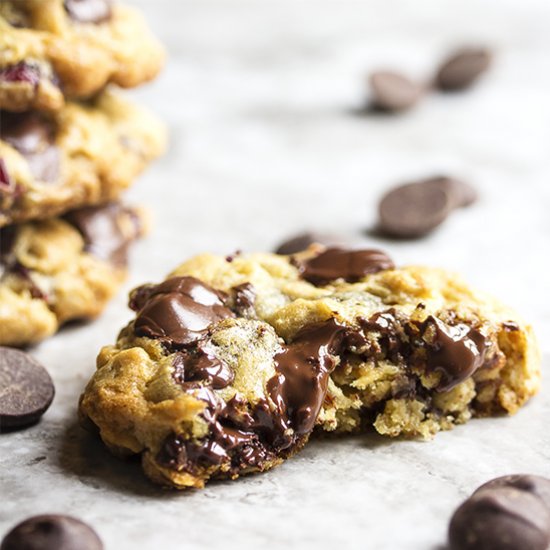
[
  {"x": 52, "y": 532},
  {"x": 414, "y": 209},
  {"x": 108, "y": 230},
  {"x": 500, "y": 518},
  {"x": 88, "y": 11},
  {"x": 536, "y": 485},
  {"x": 454, "y": 351},
  {"x": 462, "y": 194},
  {"x": 338, "y": 263},
  {"x": 26, "y": 389},
  {"x": 393, "y": 91},
  {"x": 417, "y": 208},
  {"x": 303, "y": 367},
  {"x": 462, "y": 69},
  {"x": 201, "y": 365},
  {"x": 244, "y": 298},
  {"x": 33, "y": 136},
  {"x": 178, "y": 311},
  {"x": 304, "y": 240}
]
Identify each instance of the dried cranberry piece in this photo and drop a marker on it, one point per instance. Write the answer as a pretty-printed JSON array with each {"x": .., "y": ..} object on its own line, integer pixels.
[
  {"x": 21, "y": 72},
  {"x": 6, "y": 183}
]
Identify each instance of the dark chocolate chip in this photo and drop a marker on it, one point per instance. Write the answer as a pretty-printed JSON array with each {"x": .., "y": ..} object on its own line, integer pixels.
[
  {"x": 303, "y": 369},
  {"x": 26, "y": 389},
  {"x": 33, "y": 136},
  {"x": 536, "y": 485},
  {"x": 178, "y": 311},
  {"x": 89, "y": 11},
  {"x": 462, "y": 69},
  {"x": 462, "y": 194},
  {"x": 103, "y": 230},
  {"x": 414, "y": 209},
  {"x": 454, "y": 351},
  {"x": 393, "y": 91},
  {"x": 201, "y": 365},
  {"x": 244, "y": 297},
  {"x": 52, "y": 532},
  {"x": 304, "y": 240},
  {"x": 338, "y": 263},
  {"x": 500, "y": 518}
]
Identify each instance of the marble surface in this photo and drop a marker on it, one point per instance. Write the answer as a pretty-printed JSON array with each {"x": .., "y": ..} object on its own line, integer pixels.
[{"x": 263, "y": 100}]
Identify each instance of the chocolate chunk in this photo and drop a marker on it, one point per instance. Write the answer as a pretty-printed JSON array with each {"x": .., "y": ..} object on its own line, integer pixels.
[
  {"x": 26, "y": 389},
  {"x": 414, "y": 209},
  {"x": 89, "y": 11},
  {"x": 178, "y": 311},
  {"x": 304, "y": 240},
  {"x": 535, "y": 485},
  {"x": 108, "y": 230},
  {"x": 237, "y": 436},
  {"x": 501, "y": 518},
  {"x": 462, "y": 69},
  {"x": 33, "y": 136},
  {"x": 52, "y": 532},
  {"x": 454, "y": 351},
  {"x": 338, "y": 263},
  {"x": 393, "y": 91},
  {"x": 203, "y": 366},
  {"x": 303, "y": 369},
  {"x": 21, "y": 72},
  {"x": 244, "y": 298},
  {"x": 7, "y": 240}
]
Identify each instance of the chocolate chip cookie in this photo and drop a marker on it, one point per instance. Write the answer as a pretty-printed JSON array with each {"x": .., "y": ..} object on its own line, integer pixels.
[
  {"x": 56, "y": 270},
  {"x": 231, "y": 363},
  {"x": 53, "y": 49},
  {"x": 82, "y": 155}
]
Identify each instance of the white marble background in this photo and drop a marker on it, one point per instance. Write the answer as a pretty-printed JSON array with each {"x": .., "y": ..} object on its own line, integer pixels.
[{"x": 261, "y": 100}]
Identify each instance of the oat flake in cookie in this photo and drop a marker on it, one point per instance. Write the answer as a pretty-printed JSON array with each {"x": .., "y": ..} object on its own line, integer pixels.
[
  {"x": 229, "y": 366},
  {"x": 62, "y": 269}
]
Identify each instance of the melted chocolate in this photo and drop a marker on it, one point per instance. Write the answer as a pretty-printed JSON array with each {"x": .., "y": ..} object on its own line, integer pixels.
[
  {"x": 233, "y": 437},
  {"x": 33, "y": 136},
  {"x": 245, "y": 436},
  {"x": 338, "y": 263},
  {"x": 201, "y": 366},
  {"x": 102, "y": 230},
  {"x": 455, "y": 351},
  {"x": 89, "y": 11},
  {"x": 303, "y": 369},
  {"x": 244, "y": 299},
  {"x": 179, "y": 310},
  {"x": 391, "y": 342}
]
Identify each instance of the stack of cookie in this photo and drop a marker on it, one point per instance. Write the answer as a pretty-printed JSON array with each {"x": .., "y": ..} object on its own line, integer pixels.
[{"x": 70, "y": 145}]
